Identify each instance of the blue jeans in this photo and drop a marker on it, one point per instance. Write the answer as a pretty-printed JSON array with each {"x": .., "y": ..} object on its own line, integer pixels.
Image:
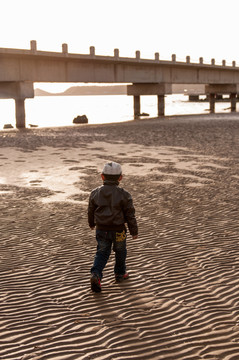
[{"x": 105, "y": 240}]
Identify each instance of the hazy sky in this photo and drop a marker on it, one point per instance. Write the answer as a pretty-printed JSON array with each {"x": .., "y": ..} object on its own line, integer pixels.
[{"x": 206, "y": 28}]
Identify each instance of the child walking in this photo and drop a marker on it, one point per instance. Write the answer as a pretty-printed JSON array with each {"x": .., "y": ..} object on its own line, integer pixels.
[{"x": 110, "y": 208}]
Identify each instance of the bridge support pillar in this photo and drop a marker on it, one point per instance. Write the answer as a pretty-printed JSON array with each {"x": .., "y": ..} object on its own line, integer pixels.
[
  {"x": 19, "y": 91},
  {"x": 159, "y": 89},
  {"x": 20, "y": 113},
  {"x": 216, "y": 90},
  {"x": 161, "y": 105},
  {"x": 212, "y": 103},
  {"x": 233, "y": 102},
  {"x": 136, "y": 106}
]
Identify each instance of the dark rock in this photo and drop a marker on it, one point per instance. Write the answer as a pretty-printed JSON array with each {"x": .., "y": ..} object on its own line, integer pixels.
[
  {"x": 8, "y": 126},
  {"x": 80, "y": 119}
]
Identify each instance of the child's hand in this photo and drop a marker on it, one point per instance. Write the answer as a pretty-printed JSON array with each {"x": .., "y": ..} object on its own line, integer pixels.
[
  {"x": 134, "y": 237},
  {"x": 92, "y": 227}
]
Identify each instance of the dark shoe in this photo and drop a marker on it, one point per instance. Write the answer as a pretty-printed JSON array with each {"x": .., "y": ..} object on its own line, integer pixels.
[
  {"x": 95, "y": 283},
  {"x": 119, "y": 278}
]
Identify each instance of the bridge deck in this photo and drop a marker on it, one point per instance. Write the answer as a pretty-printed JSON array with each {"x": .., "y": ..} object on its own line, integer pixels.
[{"x": 45, "y": 66}]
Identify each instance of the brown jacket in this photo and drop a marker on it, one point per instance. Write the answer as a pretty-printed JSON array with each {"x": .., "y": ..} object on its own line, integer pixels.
[{"x": 110, "y": 207}]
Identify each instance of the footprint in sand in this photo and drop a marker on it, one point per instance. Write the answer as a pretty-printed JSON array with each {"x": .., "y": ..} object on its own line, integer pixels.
[
  {"x": 35, "y": 182},
  {"x": 75, "y": 168},
  {"x": 71, "y": 161}
]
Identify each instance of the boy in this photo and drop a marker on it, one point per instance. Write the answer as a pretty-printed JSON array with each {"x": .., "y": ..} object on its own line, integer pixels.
[{"x": 110, "y": 207}]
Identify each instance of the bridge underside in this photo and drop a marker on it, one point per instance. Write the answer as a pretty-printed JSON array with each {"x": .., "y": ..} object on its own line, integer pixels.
[
  {"x": 19, "y": 69},
  {"x": 20, "y": 90},
  {"x": 212, "y": 90},
  {"x": 149, "y": 89},
  {"x": 216, "y": 89}
]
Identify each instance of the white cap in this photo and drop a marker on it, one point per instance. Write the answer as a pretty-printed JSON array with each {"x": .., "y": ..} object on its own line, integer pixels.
[{"x": 112, "y": 168}]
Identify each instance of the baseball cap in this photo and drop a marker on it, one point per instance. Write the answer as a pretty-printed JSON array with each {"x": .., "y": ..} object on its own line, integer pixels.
[{"x": 112, "y": 168}]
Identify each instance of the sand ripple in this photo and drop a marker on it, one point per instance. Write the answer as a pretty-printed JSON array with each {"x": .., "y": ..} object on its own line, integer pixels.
[{"x": 180, "y": 302}]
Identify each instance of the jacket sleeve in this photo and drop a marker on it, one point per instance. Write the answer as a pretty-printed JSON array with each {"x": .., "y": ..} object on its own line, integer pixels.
[
  {"x": 91, "y": 210},
  {"x": 129, "y": 213}
]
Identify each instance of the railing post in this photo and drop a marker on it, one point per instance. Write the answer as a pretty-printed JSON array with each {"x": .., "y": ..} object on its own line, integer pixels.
[
  {"x": 65, "y": 49},
  {"x": 92, "y": 51},
  {"x": 116, "y": 53},
  {"x": 33, "y": 45},
  {"x": 156, "y": 56}
]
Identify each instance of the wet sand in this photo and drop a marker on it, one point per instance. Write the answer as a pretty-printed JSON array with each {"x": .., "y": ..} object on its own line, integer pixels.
[{"x": 181, "y": 300}]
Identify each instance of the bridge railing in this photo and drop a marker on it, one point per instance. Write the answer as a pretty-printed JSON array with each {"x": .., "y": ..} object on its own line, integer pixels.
[{"x": 116, "y": 56}]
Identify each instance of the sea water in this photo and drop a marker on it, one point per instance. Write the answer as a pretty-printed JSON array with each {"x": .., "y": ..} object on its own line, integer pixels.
[{"x": 49, "y": 111}]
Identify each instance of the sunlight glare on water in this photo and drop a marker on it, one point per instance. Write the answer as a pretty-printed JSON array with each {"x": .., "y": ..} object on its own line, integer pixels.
[{"x": 61, "y": 110}]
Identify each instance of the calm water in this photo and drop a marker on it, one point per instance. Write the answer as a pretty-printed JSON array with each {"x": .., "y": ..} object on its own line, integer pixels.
[{"x": 61, "y": 110}]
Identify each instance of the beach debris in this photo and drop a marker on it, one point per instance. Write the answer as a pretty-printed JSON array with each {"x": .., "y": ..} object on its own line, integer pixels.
[
  {"x": 142, "y": 114},
  {"x": 8, "y": 126},
  {"x": 80, "y": 119},
  {"x": 33, "y": 125}
]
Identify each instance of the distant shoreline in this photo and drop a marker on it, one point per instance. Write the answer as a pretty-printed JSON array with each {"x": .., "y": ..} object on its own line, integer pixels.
[
  {"x": 87, "y": 90},
  {"x": 114, "y": 90}
]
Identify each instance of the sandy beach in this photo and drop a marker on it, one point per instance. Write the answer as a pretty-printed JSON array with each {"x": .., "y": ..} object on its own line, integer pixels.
[{"x": 182, "y": 298}]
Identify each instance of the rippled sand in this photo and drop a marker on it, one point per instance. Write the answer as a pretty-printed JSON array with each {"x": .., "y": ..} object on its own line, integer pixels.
[{"x": 181, "y": 300}]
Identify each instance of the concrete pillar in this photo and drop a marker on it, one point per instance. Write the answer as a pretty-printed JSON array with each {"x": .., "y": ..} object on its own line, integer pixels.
[
  {"x": 116, "y": 53},
  {"x": 92, "y": 51},
  {"x": 159, "y": 89},
  {"x": 20, "y": 113},
  {"x": 212, "y": 103},
  {"x": 156, "y": 56},
  {"x": 33, "y": 45},
  {"x": 137, "y": 55},
  {"x": 65, "y": 48},
  {"x": 233, "y": 102},
  {"x": 161, "y": 105},
  {"x": 136, "y": 106}
]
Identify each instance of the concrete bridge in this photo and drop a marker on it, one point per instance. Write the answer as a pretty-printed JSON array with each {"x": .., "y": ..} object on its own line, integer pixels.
[{"x": 19, "y": 69}]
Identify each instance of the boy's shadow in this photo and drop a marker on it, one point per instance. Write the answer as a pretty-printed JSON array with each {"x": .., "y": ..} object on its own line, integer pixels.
[{"x": 114, "y": 300}]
